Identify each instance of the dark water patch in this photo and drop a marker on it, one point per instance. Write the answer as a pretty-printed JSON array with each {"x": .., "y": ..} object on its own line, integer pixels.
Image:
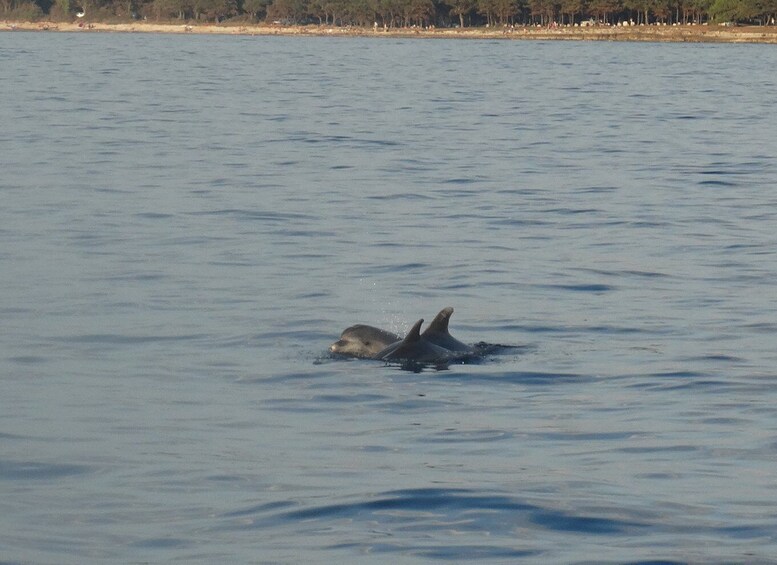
[
  {"x": 280, "y": 377},
  {"x": 571, "y": 211},
  {"x": 585, "y": 287},
  {"x": 4, "y": 436},
  {"x": 235, "y": 263},
  {"x": 308, "y": 233},
  {"x": 658, "y": 449},
  {"x": 677, "y": 375},
  {"x": 721, "y": 183},
  {"x": 534, "y": 328},
  {"x": 723, "y": 421},
  {"x": 376, "y": 449},
  {"x": 749, "y": 531},
  {"x": 259, "y": 509},
  {"x": 335, "y": 140},
  {"x": 294, "y": 406},
  {"x": 418, "y": 403},
  {"x": 613, "y": 330},
  {"x": 626, "y": 273},
  {"x": 461, "y": 180},
  {"x": 716, "y": 357},
  {"x": 256, "y": 215},
  {"x": 523, "y": 222},
  {"x": 707, "y": 385},
  {"x": 35, "y": 470},
  {"x": 470, "y": 553},
  {"x": 657, "y": 476},
  {"x": 118, "y": 339},
  {"x": 598, "y": 329},
  {"x": 364, "y": 398},
  {"x": 598, "y": 190},
  {"x": 675, "y": 380},
  {"x": 398, "y": 268},
  {"x": 400, "y": 196},
  {"x": 646, "y": 562},
  {"x": 558, "y": 521},
  {"x": 14, "y": 310},
  {"x": 146, "y": 277},
  {"x": 533, "y": 378},
  {"x": 586, "y": 436},
  {"x": 417, "y": 500},
  {"x": 579, "y": 287},
  {"x": 762, "y": 327},
  {"x": 28, "y": 359},
  {"x": 162, "y": 543},
  {"x": 439, "y": 509},
  {"x": 468, "y": 436},
  {"x": 226, "y": 478}
]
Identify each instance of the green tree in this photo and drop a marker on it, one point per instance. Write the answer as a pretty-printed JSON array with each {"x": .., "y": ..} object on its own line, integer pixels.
[
  {"x": 725, "y": 10},
  {"x": 700, "y": 9},
  {"x": 462, "y": 8},
  {"x": 505, "y": 10},
  {"x": 662, "y": 10},
  {"x": 24, "y": 10},
  {"x": 767, "y": 11},
  {"x": 165, "y": 9},
  {"x": 214, "y": 9},
  {"x": 571, "y": 8},
  {"x": 389, "y": 11},
  {"x": 742, "y": 10},
  {"x": 257, "y": 9},
  {"x": 61, "y": 10},
  {"x": 287, "y": 10},
  {"x": 488, "y": 9},
  {"x": 545, "y": 10},
  {"x": 602, "y": 9},
  {"x": 417, "y": 11}
]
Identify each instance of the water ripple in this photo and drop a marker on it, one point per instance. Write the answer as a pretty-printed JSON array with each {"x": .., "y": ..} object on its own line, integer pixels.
[
  {"x": 36, "y": 470},
  {"x": 438, "y": 508}
]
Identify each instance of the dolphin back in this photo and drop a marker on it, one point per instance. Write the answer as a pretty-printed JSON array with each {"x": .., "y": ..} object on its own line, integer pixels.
[
  {"x": 414, "y": 347},
  {"x": 438, "y": 334}
]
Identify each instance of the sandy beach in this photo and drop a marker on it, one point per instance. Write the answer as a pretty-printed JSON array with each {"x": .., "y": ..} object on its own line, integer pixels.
[{"x": 688, "y": 33}]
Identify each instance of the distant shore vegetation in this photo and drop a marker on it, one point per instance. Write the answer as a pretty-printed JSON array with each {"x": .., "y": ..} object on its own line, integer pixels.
[{"x": 394, "y": 14}]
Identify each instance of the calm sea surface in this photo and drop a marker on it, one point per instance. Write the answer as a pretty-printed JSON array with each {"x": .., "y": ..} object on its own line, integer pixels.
[{"x": 186, "y": 224}]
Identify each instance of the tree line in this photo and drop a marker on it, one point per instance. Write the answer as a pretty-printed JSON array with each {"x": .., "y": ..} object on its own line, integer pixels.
[{"x": 402, "y": 13}]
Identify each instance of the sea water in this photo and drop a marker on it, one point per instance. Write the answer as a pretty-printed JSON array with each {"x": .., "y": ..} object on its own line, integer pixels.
[{"x": 187, "y": 222}]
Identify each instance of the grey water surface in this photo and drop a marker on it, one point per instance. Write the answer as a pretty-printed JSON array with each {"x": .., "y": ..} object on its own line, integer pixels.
[{"x": 187, "y": 222}]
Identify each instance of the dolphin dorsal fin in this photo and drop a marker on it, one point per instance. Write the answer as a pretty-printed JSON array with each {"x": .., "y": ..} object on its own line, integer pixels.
[
  {"x": 415, "y": 332},
  {"x": 440, "y": 322}
]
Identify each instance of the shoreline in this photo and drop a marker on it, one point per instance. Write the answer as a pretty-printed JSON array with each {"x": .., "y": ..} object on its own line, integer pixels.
[{"x": 652, "y": 33}]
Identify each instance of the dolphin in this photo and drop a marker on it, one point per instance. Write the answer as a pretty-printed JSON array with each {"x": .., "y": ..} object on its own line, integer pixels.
[
  {"x": 416, "y": 348},
  {"x": 438, "y": 334},
  {"x": 363, "y": 341}
]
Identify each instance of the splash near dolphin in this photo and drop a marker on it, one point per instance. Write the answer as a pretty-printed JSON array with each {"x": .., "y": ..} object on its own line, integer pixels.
[{"x": 434, "y": 346}]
